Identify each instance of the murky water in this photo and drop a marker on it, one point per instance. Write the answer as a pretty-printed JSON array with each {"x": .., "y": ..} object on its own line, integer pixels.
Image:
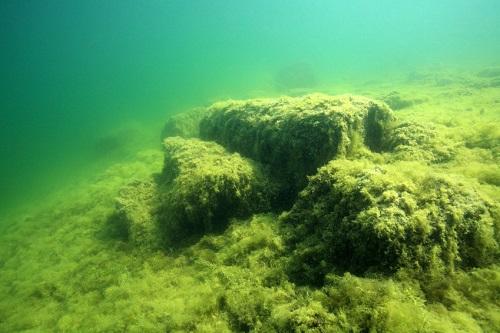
[{"x": 87, "y": 88}]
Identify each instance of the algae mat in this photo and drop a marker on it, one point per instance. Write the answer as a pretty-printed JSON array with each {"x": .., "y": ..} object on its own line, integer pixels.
[{"x": 401, "y": 236}]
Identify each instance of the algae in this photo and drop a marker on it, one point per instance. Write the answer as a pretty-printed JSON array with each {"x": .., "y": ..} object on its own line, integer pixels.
[
  {"x": 359, "y": 217},
  {"x": 203, "y": 186},
  {"x": 294, "y": 136},
  {"x": 135, "y": 212},
  {"x": 394, "y": 227},
  {"x": 398, "y": 102},
  {"x": 418, "y": 141},
  {"x": 184, "y": 124}
]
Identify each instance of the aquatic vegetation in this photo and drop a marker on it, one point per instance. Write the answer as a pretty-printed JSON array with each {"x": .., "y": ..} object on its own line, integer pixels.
[
  {"x": 203, "y": 185},
  {"x": 418, "y": 141},
  {"x": 489, "y": 72},
  {"x": 442, "y": 78},
  {"x": 485, "y": 136},
  {"x": 397, "y": 102},
  {"x": 250, "y": 166},
  {"x": 390, "y": 224},
  {"x": 184, "y": 124},
  {"x": 294, "y": 136},
  {"x": 358, "y": 217},
  {"x": 135, "y": 213}
]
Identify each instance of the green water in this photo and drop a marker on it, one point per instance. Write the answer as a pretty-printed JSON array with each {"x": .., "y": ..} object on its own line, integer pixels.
[{"x": 86, "y": 88}]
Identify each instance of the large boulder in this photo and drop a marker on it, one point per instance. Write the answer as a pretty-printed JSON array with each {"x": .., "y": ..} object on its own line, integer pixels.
[
  {"x": 295, "y": 136},
  {"x": 202, "y": 186},
  {"x": 359, "y": 217}
]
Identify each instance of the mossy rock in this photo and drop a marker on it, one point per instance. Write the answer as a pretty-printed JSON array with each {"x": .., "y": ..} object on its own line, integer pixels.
[
  {"x": 185, "y": 124},
  {"x": 491, "y": 72},
  {"x": 398, "y": 102},
  {"x": 203, "y": 185},
  {"x": 484, "y": 136},
  {"x": 135, "y": 207},
  {"x": 295, "y": 136},
  {"x": 420, "y": 142},
  {"x": 359, "y": 217}
]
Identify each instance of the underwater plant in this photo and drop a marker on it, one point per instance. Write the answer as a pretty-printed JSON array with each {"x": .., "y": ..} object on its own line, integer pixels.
[
  {"x": 310, "y": 214},
  {"x": 202, "y": 185},
  {"x": 184, "y": 124},
  {"x": 418, "y": 142},
  {"x": 397, "y": 102},
  {"x": 360, "y": 217},
  {"x": 295, "y": 136},
  {"x": 490, "y": 72},
  {"x": 135, "y": 205}
]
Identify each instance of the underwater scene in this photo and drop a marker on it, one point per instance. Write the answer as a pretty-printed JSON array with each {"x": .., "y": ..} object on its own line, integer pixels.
[{"x": 250, "y": 166}]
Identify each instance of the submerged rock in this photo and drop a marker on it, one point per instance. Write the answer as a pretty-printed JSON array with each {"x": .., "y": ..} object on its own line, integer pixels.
[
  {"x": 398, "y": 102},
  {"x": 414, "y": 141},
  {"x": 185, "y": 124},
  {"x": 492, "y": 72},
  {"x": 295, "y": 136},
  {"x": 135, "y": 209},
  {"x": 484, "y": 136},
  {"x": 359, "y": 217},
  {"x": 203, "y": 185}
]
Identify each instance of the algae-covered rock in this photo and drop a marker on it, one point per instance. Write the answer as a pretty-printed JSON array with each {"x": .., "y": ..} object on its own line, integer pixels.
[
  {"x": 135, "y": 210},
  {"x": 360, "y": 217},
  {"x": 398, "y": 102},
  {"x": 296, "y": 135},
  {"x": 491, "y": 72},
  {"x": 203, "y": 186},
  {"x": 414, "y": 141},
  {"x": 484, "y": 136},
  {"x": 185, "y": 124}
]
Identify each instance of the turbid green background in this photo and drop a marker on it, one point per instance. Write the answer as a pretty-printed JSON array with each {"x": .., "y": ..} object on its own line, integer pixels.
[
  {"x": 71, "y": 71},
  {"x": 86, "y": 86}
]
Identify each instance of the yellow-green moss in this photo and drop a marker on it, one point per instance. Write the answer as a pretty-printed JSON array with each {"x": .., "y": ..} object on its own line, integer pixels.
[
  {"x": 295, "y": 136},
  {"x": 203, "y": 185},
  {"x": 67, "y": 268},
  {"x": 135, "y": 210},
  {"x": 416, "y": 141},
  {"x": 184, "y": 124},
  {"x": 361, "y": 217}
]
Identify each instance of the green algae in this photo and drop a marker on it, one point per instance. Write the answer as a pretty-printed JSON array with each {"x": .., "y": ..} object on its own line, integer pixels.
[
  {"x": 108, "y": 271},
  {"x": 359, "y": 217},
  {"x": 398, "y": 102},
  {"x": 134, "y": 215},
  {"x": 203, "y": 186},
  {"x": 294, "y": 136},
  {"x": 184, "y": 124},
  {"x": 418, "y": 141}
]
